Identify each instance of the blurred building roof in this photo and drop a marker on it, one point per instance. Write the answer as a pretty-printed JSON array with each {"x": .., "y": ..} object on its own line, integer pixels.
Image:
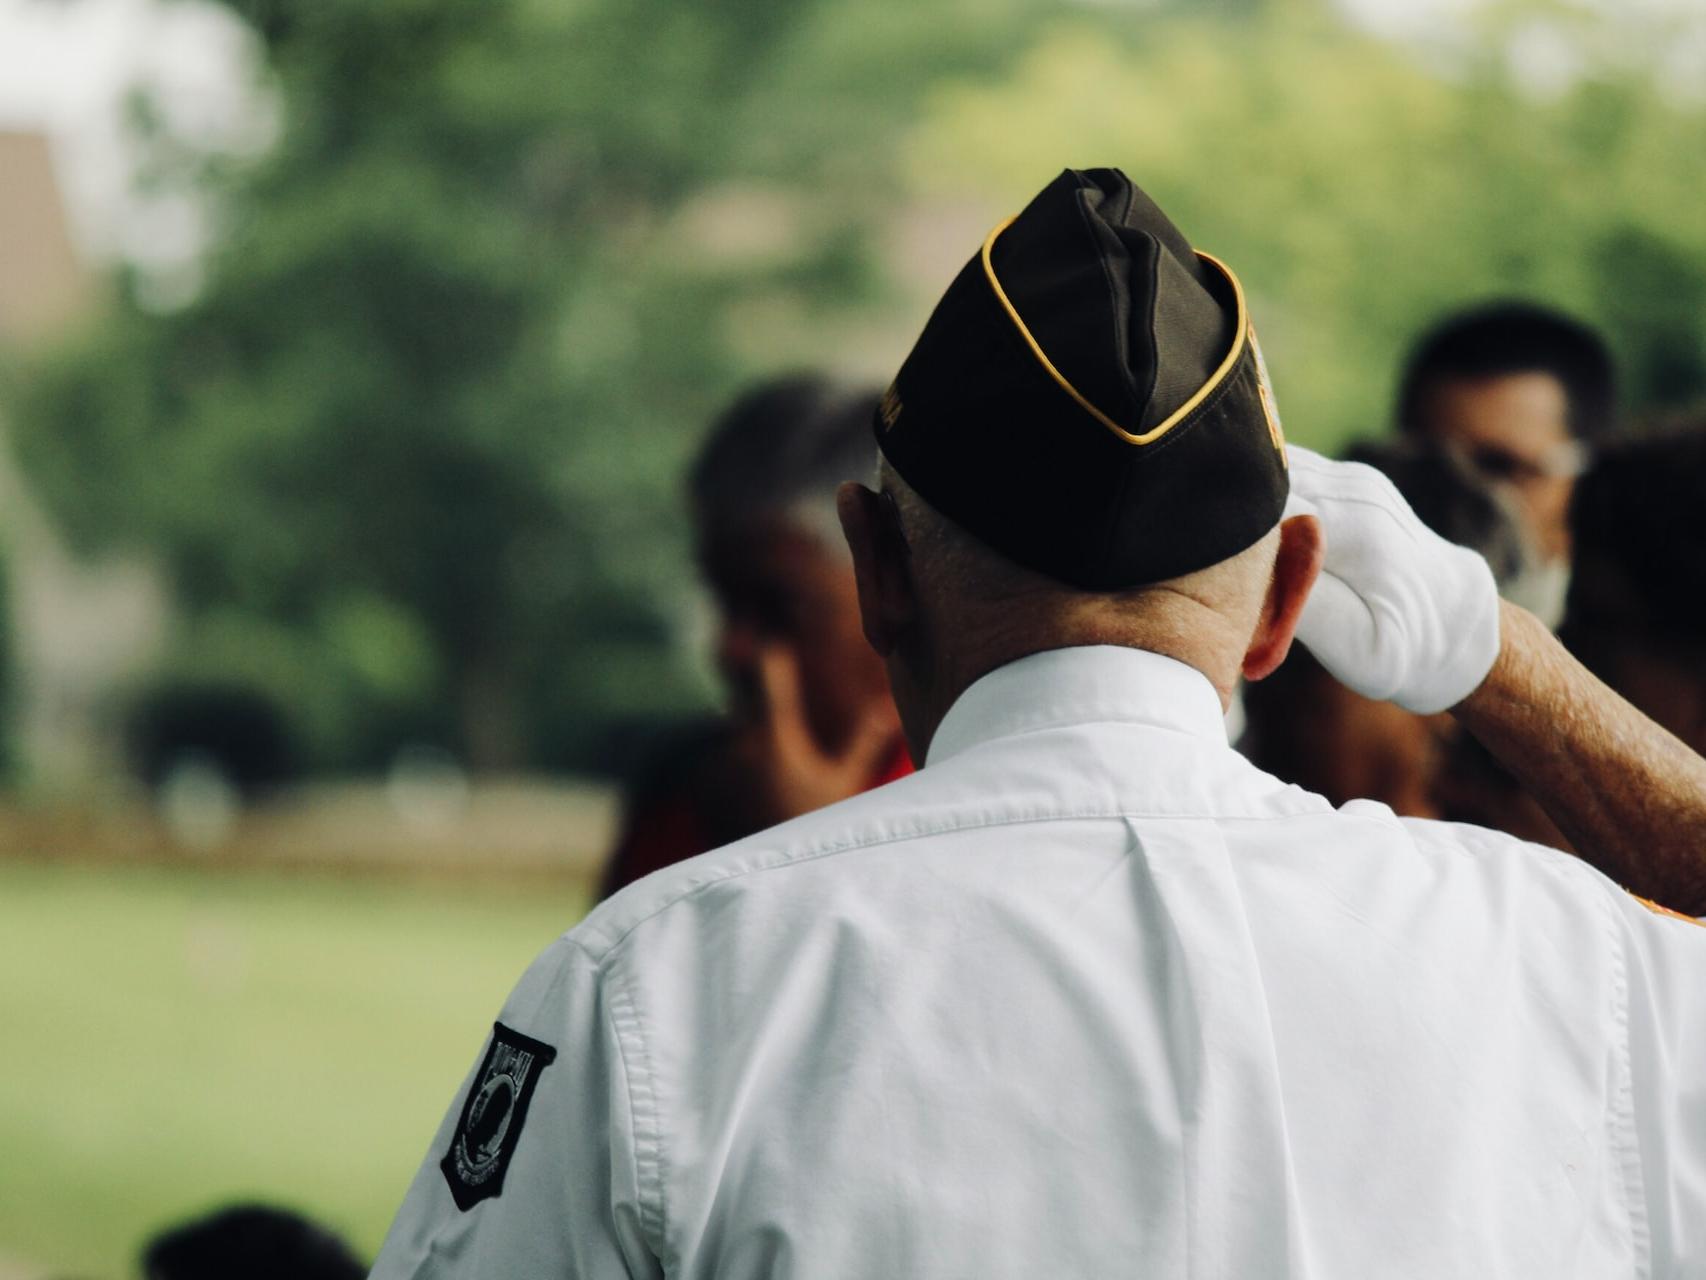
[{"x": 44, "y": 286}]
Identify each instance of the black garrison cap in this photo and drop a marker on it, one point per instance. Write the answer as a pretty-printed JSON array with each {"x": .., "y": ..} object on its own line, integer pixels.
[{"x": 1088, "y": 398}]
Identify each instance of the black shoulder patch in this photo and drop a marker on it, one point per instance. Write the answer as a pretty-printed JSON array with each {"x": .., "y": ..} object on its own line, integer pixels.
[{"x": 490, "y": 1126}]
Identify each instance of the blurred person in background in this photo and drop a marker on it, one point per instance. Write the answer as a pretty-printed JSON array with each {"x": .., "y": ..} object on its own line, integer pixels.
[
  {"x": 1522, "y": 394},
  {"x": 250, "y": 1242},
  {"x": 810, "y": 720},
  {"x": 1307, "y": 728},
  {"x": 1635, "y": 617},
  {"x": 1089, "y": 994}
]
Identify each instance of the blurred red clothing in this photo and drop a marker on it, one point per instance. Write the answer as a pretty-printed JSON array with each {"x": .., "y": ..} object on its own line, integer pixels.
[{"x": 687, "y": 809}]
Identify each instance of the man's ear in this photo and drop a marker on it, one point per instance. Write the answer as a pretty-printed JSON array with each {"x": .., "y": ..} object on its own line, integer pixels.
[
  {"x": 881, "y": 564},
  {"x": 1301, "y": 551}
]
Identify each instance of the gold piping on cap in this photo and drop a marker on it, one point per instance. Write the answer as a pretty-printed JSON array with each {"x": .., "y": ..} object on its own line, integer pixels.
[{"x": 1178, "y": 415}]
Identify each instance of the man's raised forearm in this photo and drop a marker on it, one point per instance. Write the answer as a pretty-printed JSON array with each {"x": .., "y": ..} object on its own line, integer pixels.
[{"x": 1630, "y": 796}]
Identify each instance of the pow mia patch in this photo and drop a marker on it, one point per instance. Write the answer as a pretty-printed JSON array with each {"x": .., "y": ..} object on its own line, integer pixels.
[{"x": 490, "y": 1126}]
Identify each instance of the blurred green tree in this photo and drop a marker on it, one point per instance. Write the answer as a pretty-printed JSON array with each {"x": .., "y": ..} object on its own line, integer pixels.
[
  {"x": 412, "y": 451},
  {"x": 1361, "y": 188},
  {"x": 414, "y": 444}
]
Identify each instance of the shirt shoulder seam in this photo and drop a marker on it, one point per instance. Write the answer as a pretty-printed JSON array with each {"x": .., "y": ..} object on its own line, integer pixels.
[
  {"x": 601, "y": 955},
  {"x": 650, "y": 1160},
  {"x": 1624, "y": 1132}
]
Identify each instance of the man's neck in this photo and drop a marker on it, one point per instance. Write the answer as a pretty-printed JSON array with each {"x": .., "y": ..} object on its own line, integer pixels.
[{"x": 1184, "y": 630}]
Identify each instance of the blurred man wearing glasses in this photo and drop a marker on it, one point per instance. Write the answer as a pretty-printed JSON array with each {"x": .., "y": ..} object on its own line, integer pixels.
[{"x": 1523, "y": 395}]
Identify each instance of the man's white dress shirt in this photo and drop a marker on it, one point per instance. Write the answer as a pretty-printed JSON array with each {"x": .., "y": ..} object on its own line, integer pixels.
[{"x": 1091, "y": 996}]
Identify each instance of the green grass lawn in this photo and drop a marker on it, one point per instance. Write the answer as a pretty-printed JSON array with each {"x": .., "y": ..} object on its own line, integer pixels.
[{"x": 170, "y": 1040}]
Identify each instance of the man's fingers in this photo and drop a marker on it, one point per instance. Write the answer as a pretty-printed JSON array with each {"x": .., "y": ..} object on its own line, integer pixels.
[
  {"x": 872, "y": 736},
  {"x": 784, "y": 710},
  {"x": 1336, "y": 620}
]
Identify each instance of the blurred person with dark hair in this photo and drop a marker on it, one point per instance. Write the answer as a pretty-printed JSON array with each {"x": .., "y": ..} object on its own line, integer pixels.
[
  {"x": 1306, "y": 727},
  {"x": 1522, "y": 394},
  {"x": 1635, "y": 616},
  {"x": 250, "y": 1242},
  {"x": 810, "y": 720},
  {"x": 1089, "y": 994}
]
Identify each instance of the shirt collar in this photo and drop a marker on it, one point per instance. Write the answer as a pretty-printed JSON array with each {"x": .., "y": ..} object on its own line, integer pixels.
[{"x": 1080, "y": 686}]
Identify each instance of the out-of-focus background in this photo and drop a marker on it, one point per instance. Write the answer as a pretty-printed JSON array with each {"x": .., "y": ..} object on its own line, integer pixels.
[{"x": 351, "y": 354}]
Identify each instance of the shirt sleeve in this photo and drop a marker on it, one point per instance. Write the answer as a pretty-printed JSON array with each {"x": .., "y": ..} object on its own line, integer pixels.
[
  {"x": 1666, "y": 990},
  {"x": 532, "y": 1172}
]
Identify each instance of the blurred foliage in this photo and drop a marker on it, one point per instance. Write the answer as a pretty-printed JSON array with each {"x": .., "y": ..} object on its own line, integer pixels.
[
  {"x": 7, "y": 666},
  {"x": 411, "y": 454},
  {"x": 1360, "y": 192}
]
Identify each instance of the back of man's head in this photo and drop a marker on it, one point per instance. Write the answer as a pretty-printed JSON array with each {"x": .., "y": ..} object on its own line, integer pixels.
[
  {"x": 1082, "y": 448},
  {"x": 969, "y": 588},
  {"x": 780, "y": 452},
  {"x": 1501, "y": 339},
  {"x": 1088, "y": 397}
]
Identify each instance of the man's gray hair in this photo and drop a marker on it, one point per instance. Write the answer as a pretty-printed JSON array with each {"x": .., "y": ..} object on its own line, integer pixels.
[
  {"x": 968, "y": 585},
  {"x": 782, "y": 450},
  {"x": 951, "y": 563}
]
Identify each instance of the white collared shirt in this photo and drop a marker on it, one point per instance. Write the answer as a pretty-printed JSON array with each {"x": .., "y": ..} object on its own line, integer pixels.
[{"x": 1090, "y": 996}]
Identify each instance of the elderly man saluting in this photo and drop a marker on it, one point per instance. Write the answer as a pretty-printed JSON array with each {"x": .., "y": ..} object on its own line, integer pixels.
[{"x": 1090, "y": 995}]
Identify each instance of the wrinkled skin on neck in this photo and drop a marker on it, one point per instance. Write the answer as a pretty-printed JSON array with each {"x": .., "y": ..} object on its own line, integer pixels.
[{"x": 942, "y": 612}]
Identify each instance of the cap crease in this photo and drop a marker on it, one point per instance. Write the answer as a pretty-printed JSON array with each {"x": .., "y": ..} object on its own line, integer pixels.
[{"x": 1178, "y": 415}]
